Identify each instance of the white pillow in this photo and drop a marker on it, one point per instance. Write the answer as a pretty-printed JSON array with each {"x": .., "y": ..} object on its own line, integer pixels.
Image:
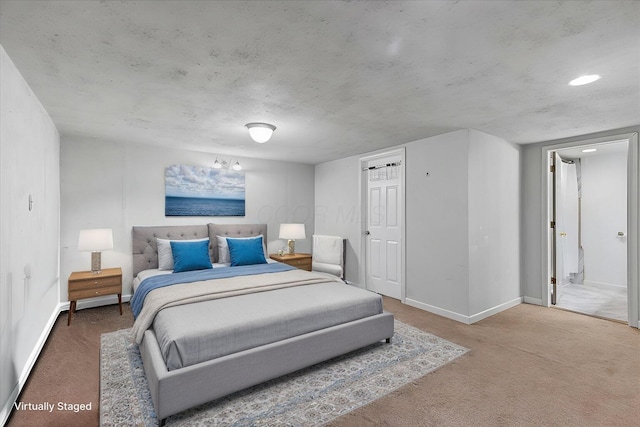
[
  {"x": 223, "y": 248},
  {"x": 165, "y": 256}
]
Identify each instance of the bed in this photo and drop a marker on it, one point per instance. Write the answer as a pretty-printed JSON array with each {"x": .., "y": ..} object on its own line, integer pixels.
[{"x": 219, "y": 332}]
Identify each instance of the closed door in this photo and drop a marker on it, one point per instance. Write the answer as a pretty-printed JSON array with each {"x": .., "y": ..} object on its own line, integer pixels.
[{"x": 384, "y": 225}]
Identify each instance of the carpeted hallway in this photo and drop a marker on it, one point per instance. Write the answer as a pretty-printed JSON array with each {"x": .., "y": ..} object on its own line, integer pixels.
[{"x": 527, "y": 366}]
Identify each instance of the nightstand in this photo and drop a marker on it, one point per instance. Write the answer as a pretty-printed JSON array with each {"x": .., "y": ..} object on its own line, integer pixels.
[
  {"x": 301, "y": 261},
  {"x": 85, "y": 284}
]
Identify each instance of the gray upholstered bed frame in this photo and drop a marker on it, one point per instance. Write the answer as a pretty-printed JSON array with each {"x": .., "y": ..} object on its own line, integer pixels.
[
  {"x": 177, "y": 390},
  {"x": 145, "y": 247}
]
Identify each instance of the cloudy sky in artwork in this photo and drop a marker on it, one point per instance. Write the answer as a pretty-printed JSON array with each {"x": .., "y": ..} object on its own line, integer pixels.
[{"x": 196, "y": 181}]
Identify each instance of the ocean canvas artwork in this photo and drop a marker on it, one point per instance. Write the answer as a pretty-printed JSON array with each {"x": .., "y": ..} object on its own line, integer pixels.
[{"x": 200, "y": 191}]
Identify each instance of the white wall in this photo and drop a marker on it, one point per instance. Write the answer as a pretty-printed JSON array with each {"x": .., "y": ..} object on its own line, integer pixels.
[
  {"x": 604, "y": 213},
  {"x": 494, "y": 222},
  {"x": 462, "y": 221},
  {"x": 437, "y": 224},
  {"x": 118, "y": 185},
  {"x": 337, "y": 208},
  {"x": 463, "y": 235},
  {"x": 29, "y": 157}
]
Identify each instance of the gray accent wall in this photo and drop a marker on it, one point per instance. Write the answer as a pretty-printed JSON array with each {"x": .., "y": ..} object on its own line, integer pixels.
[{"x": 29, "y": 157}]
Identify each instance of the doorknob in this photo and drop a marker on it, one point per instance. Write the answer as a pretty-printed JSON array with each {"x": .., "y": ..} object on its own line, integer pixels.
[
  {"x": 366, "y": 233},
  {"x": 620, "y": 233},
  {"x": 563, "y": 234}
]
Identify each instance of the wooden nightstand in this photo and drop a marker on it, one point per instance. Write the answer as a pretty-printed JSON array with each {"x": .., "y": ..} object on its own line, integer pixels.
[
  {"x": 85, "y": 284},
  {"x": 301, "y": 261}
]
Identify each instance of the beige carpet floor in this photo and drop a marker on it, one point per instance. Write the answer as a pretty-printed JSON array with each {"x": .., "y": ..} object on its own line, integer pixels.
[{"x": 528, "y": 366}]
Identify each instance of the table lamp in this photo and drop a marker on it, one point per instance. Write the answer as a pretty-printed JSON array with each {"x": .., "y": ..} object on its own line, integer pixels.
[
  {"x": 291, "y": 232},
  {"x": 95, "y": 240}
]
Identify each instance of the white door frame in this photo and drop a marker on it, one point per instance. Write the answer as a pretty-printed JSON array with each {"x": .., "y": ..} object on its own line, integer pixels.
[
  {"x": 633, "y": 186},
  {"x": 363, "y": 216}
]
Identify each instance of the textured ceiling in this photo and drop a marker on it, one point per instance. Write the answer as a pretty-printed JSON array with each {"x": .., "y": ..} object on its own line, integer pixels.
[{"x": 336, "y": 78}]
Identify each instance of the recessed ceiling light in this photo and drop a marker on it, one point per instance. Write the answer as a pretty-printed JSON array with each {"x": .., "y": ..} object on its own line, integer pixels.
[
  {"x": 583, "y": 80},
  {"x": 589, "y": 150}
]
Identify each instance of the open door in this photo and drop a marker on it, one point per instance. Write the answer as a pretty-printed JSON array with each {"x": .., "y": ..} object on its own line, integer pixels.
[
  {"x": 555, "y": 184},
  {"x": 599, "y": 241},
  {"x": 565, "y": 225}
]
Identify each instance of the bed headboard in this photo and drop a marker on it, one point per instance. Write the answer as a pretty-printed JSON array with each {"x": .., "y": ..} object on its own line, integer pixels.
[
  {"x": 145, "y": 248},
  {"x": 235, "y": 230}
]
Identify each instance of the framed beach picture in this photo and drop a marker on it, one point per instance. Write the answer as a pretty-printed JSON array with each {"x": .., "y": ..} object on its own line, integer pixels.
[{"x": 200, "y": 191}]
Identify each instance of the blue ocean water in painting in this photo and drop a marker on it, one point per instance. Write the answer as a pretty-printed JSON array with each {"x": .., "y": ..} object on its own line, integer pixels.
[{"x": 196, "y": 206}]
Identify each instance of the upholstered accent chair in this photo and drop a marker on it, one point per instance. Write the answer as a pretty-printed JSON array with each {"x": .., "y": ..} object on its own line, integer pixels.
[{"x": 329, "y": 254}]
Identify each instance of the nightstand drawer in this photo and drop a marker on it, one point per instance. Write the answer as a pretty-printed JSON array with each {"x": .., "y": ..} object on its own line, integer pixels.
[
  {"x": 85, "y": 284},
  {"x": 303, "y": 264},
  {"x": 94, "y": 283},
  {"x": 96, "y": 292},
  {"x": 301, "y": 261}
]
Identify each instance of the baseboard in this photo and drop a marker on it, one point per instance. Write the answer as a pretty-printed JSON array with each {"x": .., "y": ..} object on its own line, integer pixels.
[
  {"x": 461, "y": 317},
  {"x": 33, "y": 357},
  {"x": 495, "y": 310},
  {"x": 534, "y": 301},
  {"x": 437, "y": 310},
  {"x": 602, "y": 284},
  {"x": 31, "y": 361}
]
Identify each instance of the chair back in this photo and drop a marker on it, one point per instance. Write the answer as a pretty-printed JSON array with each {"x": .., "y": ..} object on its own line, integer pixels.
[{"x": 329, "y": 254}]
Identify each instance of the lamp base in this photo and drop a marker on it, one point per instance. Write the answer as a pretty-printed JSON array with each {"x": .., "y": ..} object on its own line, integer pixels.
[
  {"x": 292, "y": 247},
  {"x": 96, "y": 263}
]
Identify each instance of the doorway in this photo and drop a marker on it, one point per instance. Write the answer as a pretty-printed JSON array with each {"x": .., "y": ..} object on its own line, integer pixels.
[
  {"x": 591, "y": 228},
  {"x": 590, "y": 188},
  {"x": 382, "y": 183}
]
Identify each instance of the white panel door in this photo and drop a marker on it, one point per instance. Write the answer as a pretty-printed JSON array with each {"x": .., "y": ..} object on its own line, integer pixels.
[
  {"x": 568, "y": 219},
  {"x": 384, "y": 227},
  {"x": 557, "y": 260}
]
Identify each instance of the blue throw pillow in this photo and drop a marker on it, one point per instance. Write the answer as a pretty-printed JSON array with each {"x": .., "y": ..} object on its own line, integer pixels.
[
  {"x": 189, "y": 256},
  {"x": 246, "y": 251}
]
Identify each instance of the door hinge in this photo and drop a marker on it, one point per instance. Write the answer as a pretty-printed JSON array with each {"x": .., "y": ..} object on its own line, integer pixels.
[
  {"x": 552, "y": 168},
  {"x": 552, "y": 224},
  {"x": 553, "y": 280}
]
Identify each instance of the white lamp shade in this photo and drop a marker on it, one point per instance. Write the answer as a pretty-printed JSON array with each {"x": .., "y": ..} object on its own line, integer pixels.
[
  {"x": 260, "y": 132},
  {"x": 292, "y": 231},
  {"x": 95, "y": 239}
]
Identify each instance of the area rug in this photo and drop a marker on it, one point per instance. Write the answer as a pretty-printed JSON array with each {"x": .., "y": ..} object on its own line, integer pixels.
[{"x": 310, "y": 397}]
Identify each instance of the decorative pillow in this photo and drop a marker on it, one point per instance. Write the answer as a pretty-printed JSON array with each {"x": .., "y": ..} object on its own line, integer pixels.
[
  {"x": 246, "y": 251},
  {"x": 223, "y": 248},
  {"x": 189, "y": 256},
  {"x": 165, "y": 257}
]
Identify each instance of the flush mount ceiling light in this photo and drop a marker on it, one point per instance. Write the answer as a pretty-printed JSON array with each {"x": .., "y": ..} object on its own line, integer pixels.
[
  {"x": 260, "y": 132},
  {"x": 583, "y": 80},
  {"x": 589, "y": 150}
]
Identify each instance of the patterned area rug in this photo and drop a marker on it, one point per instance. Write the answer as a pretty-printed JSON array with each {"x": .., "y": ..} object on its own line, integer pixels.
[{"x": 310, "y": 397}]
